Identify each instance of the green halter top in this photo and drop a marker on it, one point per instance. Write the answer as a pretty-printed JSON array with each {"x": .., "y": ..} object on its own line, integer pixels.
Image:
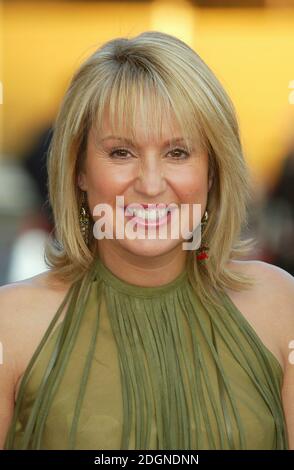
[{"x": 135, "y": 367}]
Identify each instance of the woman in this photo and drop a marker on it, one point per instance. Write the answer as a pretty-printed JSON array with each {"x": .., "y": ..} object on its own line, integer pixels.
[{"x": 140, "y": 343}]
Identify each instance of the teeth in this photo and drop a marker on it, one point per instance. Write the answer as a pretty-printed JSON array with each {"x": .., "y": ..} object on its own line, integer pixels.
[{"x": 150, "y": 214}]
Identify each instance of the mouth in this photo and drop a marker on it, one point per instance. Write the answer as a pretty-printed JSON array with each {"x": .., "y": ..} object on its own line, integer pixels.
[{"x": 154, "y": 217}]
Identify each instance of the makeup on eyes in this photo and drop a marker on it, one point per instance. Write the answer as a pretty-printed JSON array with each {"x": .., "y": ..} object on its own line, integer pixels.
[{"x": 115, "y": 150}]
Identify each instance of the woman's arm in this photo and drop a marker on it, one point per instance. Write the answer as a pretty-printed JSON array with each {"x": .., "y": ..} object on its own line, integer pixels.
[
  {"x": 26, "y": 310},
  {"x": 285, "y": 297},
  {"x": 8, "y": 362},
  {"x": 279, "y": 292},
  {"x": 274, "y": 301}
]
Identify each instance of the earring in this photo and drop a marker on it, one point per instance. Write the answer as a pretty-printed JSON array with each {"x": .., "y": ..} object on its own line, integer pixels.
[
  {"x": 201, "y": 252},
  {"x": 84, "y": 219}
]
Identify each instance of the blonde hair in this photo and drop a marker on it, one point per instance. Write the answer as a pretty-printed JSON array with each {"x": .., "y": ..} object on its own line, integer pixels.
[{"x": 160, "y": 76}]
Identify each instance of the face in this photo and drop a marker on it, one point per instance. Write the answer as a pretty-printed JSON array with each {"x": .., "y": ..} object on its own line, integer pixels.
[{"x": 145, "y": 172}]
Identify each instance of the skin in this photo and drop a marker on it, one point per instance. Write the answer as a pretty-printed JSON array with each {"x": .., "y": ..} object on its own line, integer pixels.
[{"x": 148, "y": 173}]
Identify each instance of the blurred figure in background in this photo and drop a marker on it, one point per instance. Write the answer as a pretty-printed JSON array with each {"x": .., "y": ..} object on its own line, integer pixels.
[
  {"x": 18, "y": 199},
  {"x": 35, "y": 163},
  {"x": 27, "y": 255},
  {"x": 277, "y": 221}
]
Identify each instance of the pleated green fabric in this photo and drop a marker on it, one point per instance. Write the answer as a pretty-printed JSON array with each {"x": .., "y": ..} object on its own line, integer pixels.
[{"x": 133, "y": 367}]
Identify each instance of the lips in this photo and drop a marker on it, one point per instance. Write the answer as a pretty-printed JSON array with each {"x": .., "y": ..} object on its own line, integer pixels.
[
  {"x": 129, "y": 207},
  {"x": 151, "y": 223},
  {"x": 148, "y": 206}
]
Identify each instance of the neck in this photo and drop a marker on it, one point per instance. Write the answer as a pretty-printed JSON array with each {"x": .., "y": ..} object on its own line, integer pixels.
[{"x": 144, "y": 270}]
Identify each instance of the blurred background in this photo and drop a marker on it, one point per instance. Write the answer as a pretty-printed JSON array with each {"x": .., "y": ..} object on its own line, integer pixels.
[{"x": 248, "y": 44}]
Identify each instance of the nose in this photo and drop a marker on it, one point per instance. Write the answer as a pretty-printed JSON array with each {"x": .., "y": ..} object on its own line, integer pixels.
[{"x": 150, "y": 179}]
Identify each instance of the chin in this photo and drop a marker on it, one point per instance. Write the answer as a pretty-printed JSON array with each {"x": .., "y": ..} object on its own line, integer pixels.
[{"x": 148, "y": 248}]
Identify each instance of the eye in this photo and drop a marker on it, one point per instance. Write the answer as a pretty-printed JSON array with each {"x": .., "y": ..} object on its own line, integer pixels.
[
  {"x": 184, "y": 153},
  {"x": 179, "y": 153},
  {"x": 117, "y": 151}
]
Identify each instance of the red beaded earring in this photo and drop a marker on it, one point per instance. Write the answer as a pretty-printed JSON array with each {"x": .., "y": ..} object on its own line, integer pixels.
[{"x": 201, "y": 252}]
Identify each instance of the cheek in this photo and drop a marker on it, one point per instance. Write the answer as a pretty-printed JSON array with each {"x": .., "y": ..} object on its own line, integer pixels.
[
  {"x": 191, "y": 186},
  {"x": 104, "y": 183},
  {"x": 191, "y": 189}
]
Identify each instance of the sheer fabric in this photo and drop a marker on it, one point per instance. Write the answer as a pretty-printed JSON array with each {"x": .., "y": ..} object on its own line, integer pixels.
[{"x": 132, "y": 367}]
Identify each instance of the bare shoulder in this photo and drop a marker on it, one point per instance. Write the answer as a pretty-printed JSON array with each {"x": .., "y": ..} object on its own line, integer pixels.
[
  {"x": 273, "y": 298},
  {"x": 263, "y": 270},
  {"x": 30, "y": 300},
  {"x": 278, "y": 283},
  {"x": 28, "y": 306},
  {"x": 26, "y": 310}
]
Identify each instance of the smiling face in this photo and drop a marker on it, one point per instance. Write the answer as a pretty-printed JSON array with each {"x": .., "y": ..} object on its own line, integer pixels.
[{"x": 144, "y": 171}]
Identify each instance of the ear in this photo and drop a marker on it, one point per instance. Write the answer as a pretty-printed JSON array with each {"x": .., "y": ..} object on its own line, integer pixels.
[{"x": 82, "y": 181}]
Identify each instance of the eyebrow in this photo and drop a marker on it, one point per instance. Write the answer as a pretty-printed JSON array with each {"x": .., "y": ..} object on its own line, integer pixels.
[{"x": 129, "y": 141}]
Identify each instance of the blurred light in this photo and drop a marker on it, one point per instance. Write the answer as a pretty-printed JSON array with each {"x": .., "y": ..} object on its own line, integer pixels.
[
  {"x": 174, "y": 17},
  {"x": 27, "y": 256}
]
